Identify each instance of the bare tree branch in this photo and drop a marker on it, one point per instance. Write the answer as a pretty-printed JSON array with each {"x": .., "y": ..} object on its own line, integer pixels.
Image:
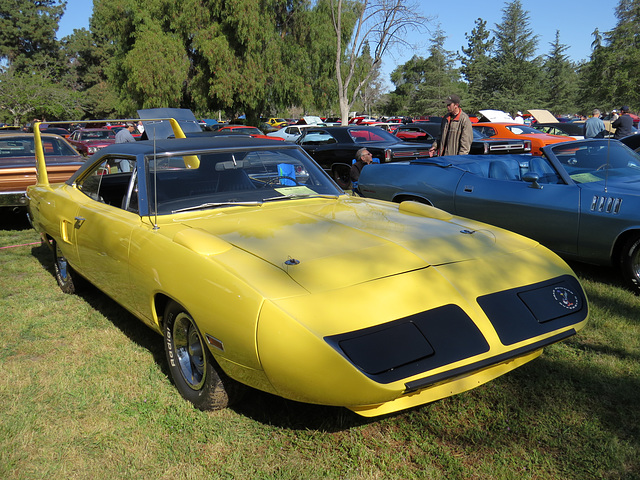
[{"x": 381, "y": 24}]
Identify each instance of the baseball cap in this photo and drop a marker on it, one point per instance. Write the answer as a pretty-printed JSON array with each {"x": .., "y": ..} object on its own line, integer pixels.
[
  {"x": 624, "y": 108},
  {"x": 452, "y": 99},
  {"x": 614, "y": 111},
  {"x": 129, "y": 124}
]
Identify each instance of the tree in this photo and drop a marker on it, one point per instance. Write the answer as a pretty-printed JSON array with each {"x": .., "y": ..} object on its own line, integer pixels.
[
  {"x": 514, "y": 79},
  {"x": 26, "y": 96},
  {"x": 476, "y": 66},
  {"x": 380, "y": 24},
  {"x": 624, "y": 49},
  {"x": 28, "y": 32},
  {"x": 440, "y": 78},
  {"x": 86, "y": 54},
  {"x": 241, "y": 56},
  {"x": 560, "y": 79},
  {"x": 610, "y": 78},
  {"x": 422, "y": 83}
]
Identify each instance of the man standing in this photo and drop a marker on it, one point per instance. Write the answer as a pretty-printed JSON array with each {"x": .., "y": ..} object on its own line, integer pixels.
[
  {"x": 124, "y": 134},
  {"x": 594, "y": 126},
  {"x": 455, "y": 131},
  {"x": 623, "y": 124}
]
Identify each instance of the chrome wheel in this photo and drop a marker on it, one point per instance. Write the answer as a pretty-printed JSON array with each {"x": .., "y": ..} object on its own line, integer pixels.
[
  {"x": 630, "y": 263},
  {"x": 190, "y": 351}
]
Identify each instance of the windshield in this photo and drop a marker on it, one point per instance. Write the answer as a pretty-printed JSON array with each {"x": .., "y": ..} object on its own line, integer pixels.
[
  {"x": 96, "y": 135},
  {"x": 235, "y": 177},
  {"x": 591, "y": 161},
  {"x": 24, "y": 147},
  {"x": 523, "y": 129},
  {"x": 373, "y": 134},
  {"x": 477, "y": 135}
]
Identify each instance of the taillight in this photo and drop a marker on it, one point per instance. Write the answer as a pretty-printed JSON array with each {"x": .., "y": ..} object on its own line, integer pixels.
[
  {"x": 527, "y": 145},
  {"x": 388, "y": 155},
  {"x": 486, "y": 147}
]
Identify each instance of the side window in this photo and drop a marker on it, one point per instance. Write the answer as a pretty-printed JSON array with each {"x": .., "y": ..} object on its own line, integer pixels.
[
  {"x": 318, "y": 138},
  {"x": 488, "y": 131},
  {"x": 112, "y": 181}
]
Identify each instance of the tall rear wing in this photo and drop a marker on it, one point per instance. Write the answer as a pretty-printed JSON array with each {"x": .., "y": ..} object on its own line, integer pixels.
[{"x": 41, "y": 166}]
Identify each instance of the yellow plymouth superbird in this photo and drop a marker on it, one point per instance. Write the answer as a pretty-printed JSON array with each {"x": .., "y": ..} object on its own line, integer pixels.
[{"x": 258, "y": 270}]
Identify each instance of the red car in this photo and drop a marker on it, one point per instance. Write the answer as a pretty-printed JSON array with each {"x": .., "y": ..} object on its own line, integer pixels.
[
  {"x": 518, "y": 130},
  {"x": 89, "y": 140},
  {"x": 246, "y": 130}
]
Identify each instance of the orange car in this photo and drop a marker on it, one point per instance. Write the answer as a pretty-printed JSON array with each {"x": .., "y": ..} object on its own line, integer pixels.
[{"x": 517, "y": 130}]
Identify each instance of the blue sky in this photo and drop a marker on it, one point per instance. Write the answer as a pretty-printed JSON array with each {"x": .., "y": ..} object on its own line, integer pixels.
[{"x": 576, "y": 20}]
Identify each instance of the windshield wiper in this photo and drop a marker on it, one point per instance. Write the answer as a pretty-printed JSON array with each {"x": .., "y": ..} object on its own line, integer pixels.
[
  {"x": 218, "y": 204},
  {"x": 299, "y": 195}
]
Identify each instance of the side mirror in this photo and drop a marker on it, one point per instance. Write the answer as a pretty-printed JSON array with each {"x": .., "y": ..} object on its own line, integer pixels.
[{"x": 532, "y": 178}]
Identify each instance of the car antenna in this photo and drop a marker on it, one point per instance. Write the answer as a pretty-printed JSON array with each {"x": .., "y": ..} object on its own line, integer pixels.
[
  {"x": 155, "y": 181},
  {"x": 606, "y": 173}
]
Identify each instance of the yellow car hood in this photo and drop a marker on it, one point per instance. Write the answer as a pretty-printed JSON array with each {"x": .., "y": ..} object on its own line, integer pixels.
[{"x": 329, "y": 244}]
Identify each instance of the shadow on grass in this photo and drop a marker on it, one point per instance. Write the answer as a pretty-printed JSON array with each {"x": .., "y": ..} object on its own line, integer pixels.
[
  {"x": 257, "y": 405},
  {"x": 608, "y": 275},
  {"x": 13, "y": 220},
  {"x": 610, "y": 398}
]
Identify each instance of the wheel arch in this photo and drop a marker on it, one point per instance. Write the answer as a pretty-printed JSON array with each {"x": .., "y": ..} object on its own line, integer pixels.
[
  {"x": 621, "y": 241},
  {"x": 403, "y": 197},
  {"x": 160, "y": 302}
]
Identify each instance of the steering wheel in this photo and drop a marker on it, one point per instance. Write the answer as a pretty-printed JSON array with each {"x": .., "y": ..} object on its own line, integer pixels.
[
  {"x": 276, "y": 180},
  {"x": 603, "y": 166}
]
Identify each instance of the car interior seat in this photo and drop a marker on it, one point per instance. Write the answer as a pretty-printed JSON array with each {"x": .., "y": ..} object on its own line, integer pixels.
[{"x": 499, "y": 170}]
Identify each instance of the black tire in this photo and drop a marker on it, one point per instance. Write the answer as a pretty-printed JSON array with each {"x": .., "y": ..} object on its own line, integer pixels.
[
  {"x": 194, "y": 371},
  {"x": 630, "y": 263},
  {"x": 68, "y": 280}
]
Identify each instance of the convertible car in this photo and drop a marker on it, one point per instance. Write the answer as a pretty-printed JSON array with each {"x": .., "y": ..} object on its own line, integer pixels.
[
  {"x": 259, "y": 271},
  {"x": 581, "y": 198}
]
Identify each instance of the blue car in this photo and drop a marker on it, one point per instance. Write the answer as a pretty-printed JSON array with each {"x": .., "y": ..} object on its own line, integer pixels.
[{"x": 580, "y": 199}]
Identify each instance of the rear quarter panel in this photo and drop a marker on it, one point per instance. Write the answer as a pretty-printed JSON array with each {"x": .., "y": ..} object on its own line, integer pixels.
[{"x": 398, "y": 182}]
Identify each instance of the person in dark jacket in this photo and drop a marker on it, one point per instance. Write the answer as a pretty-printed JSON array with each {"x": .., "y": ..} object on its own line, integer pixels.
[
  {"x": 624, "y": 124},
  {"x": 456, "y": 133},
  {"x": 363, "y": 157}
]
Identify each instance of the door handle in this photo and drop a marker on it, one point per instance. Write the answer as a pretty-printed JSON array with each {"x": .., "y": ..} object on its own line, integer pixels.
[{"x": 79, "y": 222}]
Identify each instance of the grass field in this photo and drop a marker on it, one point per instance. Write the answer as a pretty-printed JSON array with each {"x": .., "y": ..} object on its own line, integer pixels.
[{"x": 85, "y": 393}]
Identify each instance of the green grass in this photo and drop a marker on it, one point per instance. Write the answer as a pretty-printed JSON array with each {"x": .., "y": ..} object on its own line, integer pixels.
[{"x": 85, "y": 393}]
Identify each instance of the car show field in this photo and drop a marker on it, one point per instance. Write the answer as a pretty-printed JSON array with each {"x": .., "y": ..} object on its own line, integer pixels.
[{"x": 86, "y": 388}]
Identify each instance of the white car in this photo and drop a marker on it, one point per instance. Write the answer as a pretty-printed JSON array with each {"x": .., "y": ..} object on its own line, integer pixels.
[{"x": 290, "y": 133}]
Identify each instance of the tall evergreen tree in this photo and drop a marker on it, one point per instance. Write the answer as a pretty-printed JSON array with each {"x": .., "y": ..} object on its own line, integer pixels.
[
  {"x": 440, "y": 78},
  {"x": 560, "y": 79},
  {"x": 612, "y": 75},
  {"x": 476, "y": 65},
  {"x": 624, "y": 43},
  {"x": 422, "y": 83},
  {"x": 515, "y": 71},
  {"x": 28, "y": 33}
]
